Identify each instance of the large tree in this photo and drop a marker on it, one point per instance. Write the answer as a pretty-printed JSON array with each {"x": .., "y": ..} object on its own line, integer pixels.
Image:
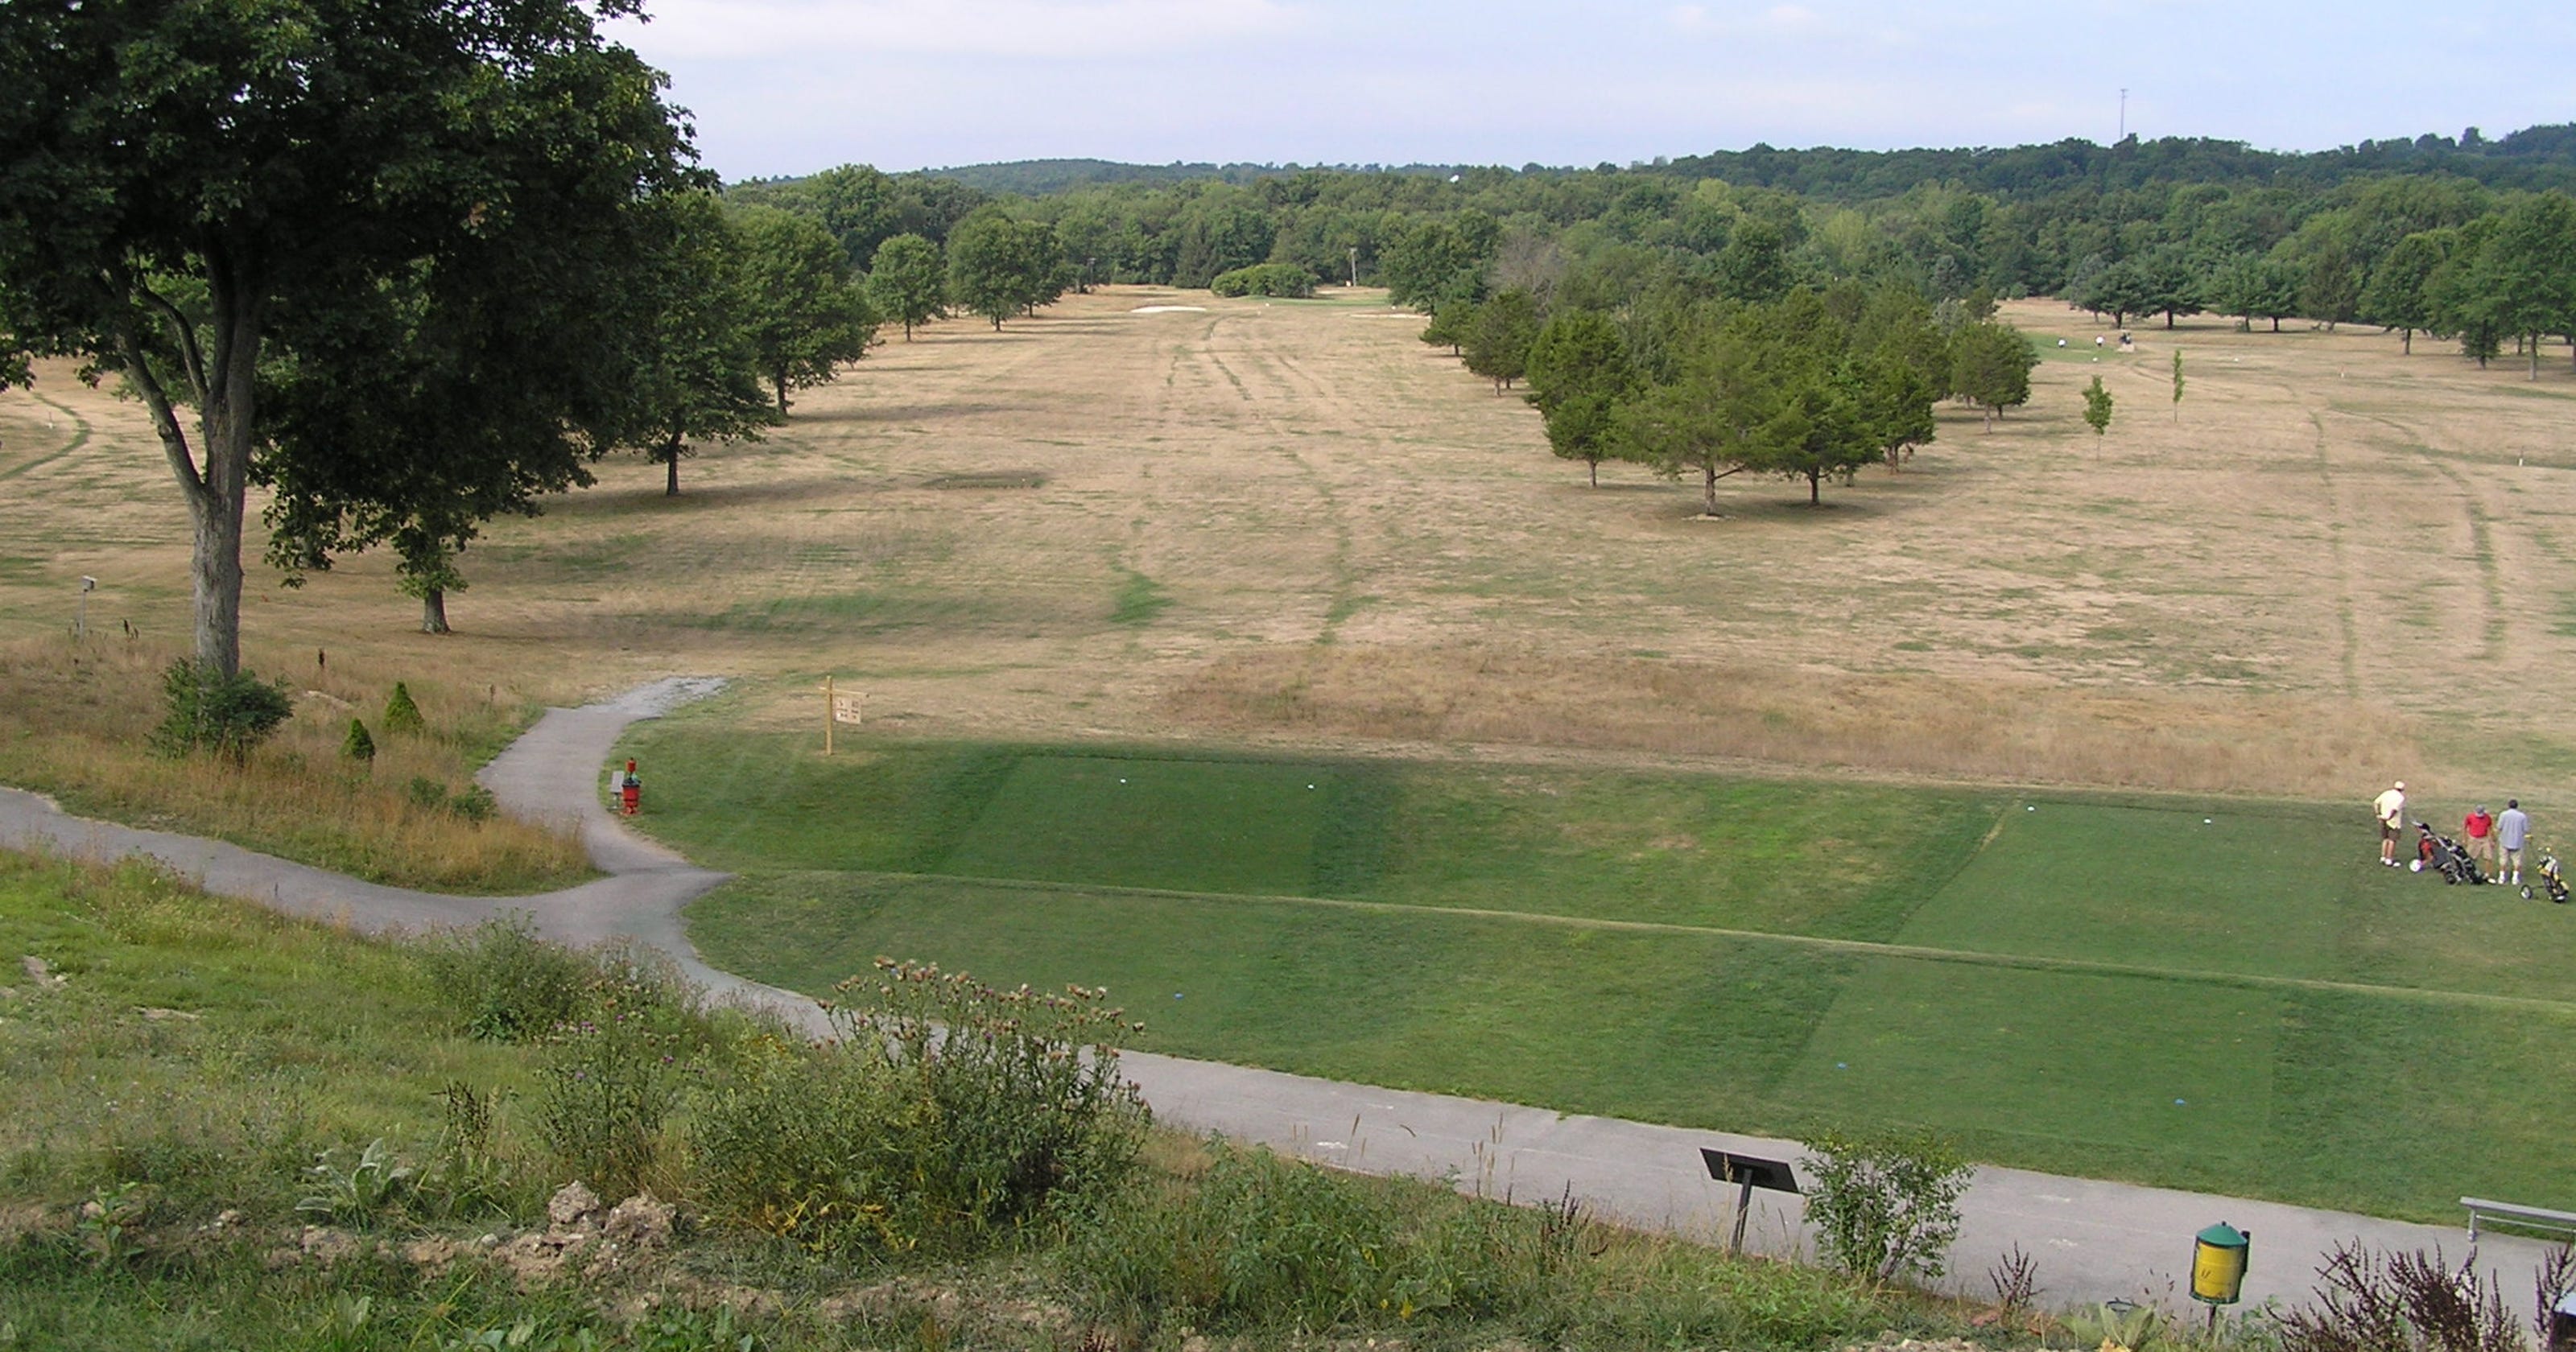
[
  {"x": 1579, "y": 373},
  {"x": 999, "y": 266},
  {"x": 1497, "y": 341},
  {"x": 457, "y": 389},
  {"x": 2397, "y": 296},
  {"x": 1991, "y": 364},
  {"x": 1729, "y": 407},
  {"x": 2529, "y": 270},
  {"x": 908, "y": 282},
  {"x": 176, "y": 177},
  {"x": 806, "y": 312},
  {"x": 692, "y": 371}
]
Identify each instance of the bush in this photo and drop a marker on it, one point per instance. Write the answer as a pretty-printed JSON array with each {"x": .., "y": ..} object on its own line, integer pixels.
[
  {"x": 401, "y": 714},
  {"x": 1259, "y": 1240},
  {"x": 473, "y": 803},
  {"x": 1885, "y": 1205},
  {"x": 1287, "y": 280},
  {"x": 2416, "y": 1302},
  {"x": 209, "y": 711},
  {"x": 945, "y": 1116},
  {"x": 358, "y": 746},
  {"x": 611, "y": 1076},
  {"x": 1263, "y": 1241},
  {"x": 507, "y": 984}
]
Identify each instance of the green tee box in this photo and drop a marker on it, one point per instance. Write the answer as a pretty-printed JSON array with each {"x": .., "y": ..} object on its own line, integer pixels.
[
  {"x": 1199, "y": 826},
  {"x": 2155, "y": 887},
  {"x": 2067, "y": 1065}
]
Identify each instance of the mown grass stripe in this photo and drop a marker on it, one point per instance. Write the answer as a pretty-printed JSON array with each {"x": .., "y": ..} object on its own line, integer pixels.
[{"x": 1813, "y": 943}]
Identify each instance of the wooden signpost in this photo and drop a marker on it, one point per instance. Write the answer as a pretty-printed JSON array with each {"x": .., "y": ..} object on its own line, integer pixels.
[{"x": 840, "y": 708}]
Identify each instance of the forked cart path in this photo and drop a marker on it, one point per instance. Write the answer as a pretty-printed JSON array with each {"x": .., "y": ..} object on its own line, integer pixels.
[{"x": 2091, "y": 1240}]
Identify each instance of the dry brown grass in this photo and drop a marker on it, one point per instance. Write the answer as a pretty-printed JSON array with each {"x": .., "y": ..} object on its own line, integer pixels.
[
  {"x": 81, "y": 714},
  {"x": 2016, "y": 729},
  {"x": 2341, "y": 563}
]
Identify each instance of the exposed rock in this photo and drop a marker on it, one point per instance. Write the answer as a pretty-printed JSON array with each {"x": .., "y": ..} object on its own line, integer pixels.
[
  {"x": 539, "y": 1256},
  {"x": 572, "y": 1205},
  {"x": 1890, "y": 1342},
  {"x": 432, "y": 1255},
  {"x": 639, "y": 1221},
  {"x": 324, "y": 1245},
  {"x": 164, "y": 1015},
  {"x": 40, "y": 974}
]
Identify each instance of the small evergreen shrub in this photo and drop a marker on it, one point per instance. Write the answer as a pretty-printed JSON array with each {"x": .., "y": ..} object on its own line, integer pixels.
[
  {"x": 208, "y": 711},
  {"x": 358, "y": 746},
  {"x": 401, "y": 714}
]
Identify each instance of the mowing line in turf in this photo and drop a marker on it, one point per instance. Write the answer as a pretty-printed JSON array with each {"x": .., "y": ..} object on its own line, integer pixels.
[{"x": 2027, "y": 962}]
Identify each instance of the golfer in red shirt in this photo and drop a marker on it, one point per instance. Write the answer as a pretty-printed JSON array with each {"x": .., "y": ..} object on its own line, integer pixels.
[{"x": 2480, "y": 829}]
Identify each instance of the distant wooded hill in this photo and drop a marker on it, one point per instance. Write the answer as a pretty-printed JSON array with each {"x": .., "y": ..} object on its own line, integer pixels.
[{"x": 2535, "y": 157}]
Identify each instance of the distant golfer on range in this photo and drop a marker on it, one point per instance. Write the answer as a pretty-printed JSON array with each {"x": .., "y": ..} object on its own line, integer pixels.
[{"x": 2390, "y": 806}]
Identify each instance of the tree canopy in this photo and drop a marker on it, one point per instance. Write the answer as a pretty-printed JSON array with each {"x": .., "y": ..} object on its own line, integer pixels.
[
  {"x": 1000, "y": 266},
  {"x": 908, "y": 282},
  {"x": 1579, "y": 374},
  {"x": 803, "y": 303},
  {"x": 176, "y": 179}
]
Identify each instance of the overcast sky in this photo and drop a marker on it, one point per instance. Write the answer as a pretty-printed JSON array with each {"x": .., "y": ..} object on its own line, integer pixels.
[{"x": 791, "y": 86}]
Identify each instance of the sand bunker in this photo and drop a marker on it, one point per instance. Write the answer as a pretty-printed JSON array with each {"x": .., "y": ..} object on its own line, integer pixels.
[{"x": 1168, "y": 310}]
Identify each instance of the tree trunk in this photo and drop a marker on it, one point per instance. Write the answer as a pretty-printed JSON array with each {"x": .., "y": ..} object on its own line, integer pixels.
[
  {"x": 671, "y": 463},
  {"x": 433, "y": 611},
  {"x": 2535, "y": 356},
  {"x": 216, "y": 567},
  {"x": 1708, "y": 488},
  {"x": 2276, "y": 323},
  {"x": 907, "y": 330},
  {"x": 1595, "y": 467},
  {"x": 2169, "y": 319},
  {"x": 2408, "y": 343},
  {"x": 780, "y": 380},
  {"x": 226, "y": 393},
  {"x": 1815, "y": 488}
]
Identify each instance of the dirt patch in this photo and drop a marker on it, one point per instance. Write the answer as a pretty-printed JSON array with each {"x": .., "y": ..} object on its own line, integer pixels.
[{"x": 998, "y": 478}]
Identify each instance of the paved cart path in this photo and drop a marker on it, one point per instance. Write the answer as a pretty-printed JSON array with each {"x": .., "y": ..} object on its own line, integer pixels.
[{"x": 2092, "y": 1240}]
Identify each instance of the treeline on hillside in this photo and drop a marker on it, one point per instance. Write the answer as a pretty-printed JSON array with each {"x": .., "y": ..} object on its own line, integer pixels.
[{"x": 2166, "y": 227}]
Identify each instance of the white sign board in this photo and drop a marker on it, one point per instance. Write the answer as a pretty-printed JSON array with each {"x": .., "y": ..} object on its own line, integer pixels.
[{"x": 848, "y": 708}]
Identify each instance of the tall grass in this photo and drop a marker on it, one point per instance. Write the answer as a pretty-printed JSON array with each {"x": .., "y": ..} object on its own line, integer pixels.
[
  {"x": 2030, "y": 732},
  {"x": 76, "y": 720}
]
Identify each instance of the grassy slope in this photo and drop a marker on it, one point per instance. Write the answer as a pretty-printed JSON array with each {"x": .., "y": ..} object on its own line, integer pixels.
[
  {"x": 259, "y": 1057},
  {"x": 2229, "y": 997}
]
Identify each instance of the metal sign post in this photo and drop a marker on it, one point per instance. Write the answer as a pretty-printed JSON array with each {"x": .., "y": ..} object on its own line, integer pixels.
[{"x": 1747, "y": 1172}]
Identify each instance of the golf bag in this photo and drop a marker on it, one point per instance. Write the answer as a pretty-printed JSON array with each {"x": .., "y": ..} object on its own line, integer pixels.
[
  {"x": 2443, "y": 855},
  {"x": 2552, "y": 884}
]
